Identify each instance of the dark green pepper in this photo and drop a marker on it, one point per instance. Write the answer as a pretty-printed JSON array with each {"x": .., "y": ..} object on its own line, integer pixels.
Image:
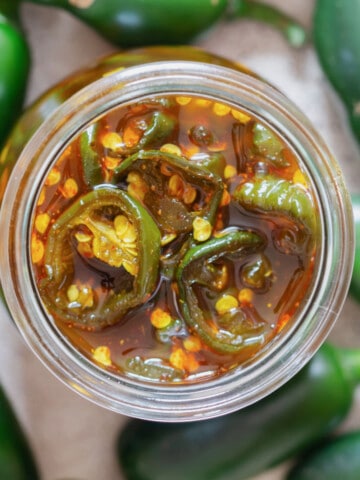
[
  {"x": 244, "y": 443},
  {"x": 336, "y": 459},
  {"x": 16, "y": 460},
  {"x": 157, "y": 130},
  {"x": 199, "y": 268},
  {"x": 159, "y": 171},
  {"x": 337, "y": 42},
  {"x": 14, "y": 66},
  {"x": 355, "y": 280},
  {"x": 94, "y": 227},
  {"x": 215, "y": 162},
  {"x": 93, "y": 174},
  {"x": 160, "y": 127},
  {"x": 151, "y": 22}
]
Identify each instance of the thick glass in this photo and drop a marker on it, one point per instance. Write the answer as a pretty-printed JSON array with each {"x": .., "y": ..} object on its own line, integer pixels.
[{"x": 23, "y": 176}]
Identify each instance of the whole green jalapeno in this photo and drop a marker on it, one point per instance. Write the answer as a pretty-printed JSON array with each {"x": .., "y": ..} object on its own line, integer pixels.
[
  {"x": 135, "y": 22},
  {"x": 16, "y": 458},
  {"x": 245, "y": 443},
  {"x": 14, "y": 66},
  {"x": 337, "y": 42},
  {"x": 355, "y": 279},
  {"x": 337, "y": 457}
]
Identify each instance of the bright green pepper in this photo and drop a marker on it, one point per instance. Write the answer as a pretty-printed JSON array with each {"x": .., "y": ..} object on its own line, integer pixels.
[
  {"x": 246, "y": 442},
  {"x": 335, "y": 459},
  {"x": 90, "y": 222},
  {"x": 270, "y": 194},
  {"x": 14, "y": 66},
  {"x": 355, "y": 279},
  {"x": 337, "y": 42},
  {"x": 198, "y": 268},
  {"x": 16, "y": 459},
  {"x": 151, "y": 22}
]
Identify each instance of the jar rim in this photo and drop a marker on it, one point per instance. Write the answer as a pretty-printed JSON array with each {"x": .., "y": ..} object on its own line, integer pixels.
[{"x": 278, "y": 363}]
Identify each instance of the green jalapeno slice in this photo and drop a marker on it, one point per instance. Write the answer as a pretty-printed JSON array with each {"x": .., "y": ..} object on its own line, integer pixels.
[
  {"x": 269, "y": 194},
  {"x": 215, "y": 162},
  {"x": 158, "y": 130},
  {"x": 116, "y": 237},
  {"x": 228, "y": 328},
  {"x": 93, "y": 174},
  {"x": 268, "y": 144},
  {"x": 174, "y": 190},
  {"x": 153, "y": 131},
  {"x": 144, "y": 130}
]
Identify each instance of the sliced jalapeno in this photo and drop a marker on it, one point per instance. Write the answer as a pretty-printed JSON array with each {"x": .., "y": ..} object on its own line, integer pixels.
[
  {"x": 270, "y": 194},
  {"x": 269, "y": 145},
  {"x": 227, "y": 327},
  {"x": 173, "y": 189},
  {"x": 158, "y": 131},
  {"x": 90, "y": 159},
  {"x": 116, "y": 237},
  {"x": 215, "y": 162}
]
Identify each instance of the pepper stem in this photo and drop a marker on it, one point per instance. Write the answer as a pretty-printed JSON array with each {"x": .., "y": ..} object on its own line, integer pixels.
[{"x": 254, "y": 10}]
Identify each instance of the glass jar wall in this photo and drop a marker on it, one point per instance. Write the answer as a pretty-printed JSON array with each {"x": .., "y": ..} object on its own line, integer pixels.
[{"x": 176, "y": 234}]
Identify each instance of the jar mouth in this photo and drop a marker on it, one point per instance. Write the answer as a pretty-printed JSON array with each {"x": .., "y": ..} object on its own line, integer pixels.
[{"x": 273, "y": 366}]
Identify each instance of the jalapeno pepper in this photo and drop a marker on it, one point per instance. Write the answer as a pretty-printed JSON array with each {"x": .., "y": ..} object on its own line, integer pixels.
[
  {"x": 215, "y": 162},
  {"x": 89, "y": 157},
  {"x": 105, "y": 228},
  {"x": 338, "y": 457},
  {"x": 276, "y": 195},
  {"x": 135, "y": 22},
  {"x": 337, "y": 42},
  {"x": 160, "y": 127},
  {"x": 16, "y": 459},
  {"x": 200, "y": 268},
  {"x": 14, "y": 66},
  {"x": 153, "y": 131},
  {"x": 170, "y": 185},
  {"x": 246, "y": 442},
  {"x": 355, "y": 279},
  {"x": 269, "y": 145}
]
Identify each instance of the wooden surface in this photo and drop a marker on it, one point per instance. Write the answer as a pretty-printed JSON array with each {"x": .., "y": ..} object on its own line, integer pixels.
[{"x": 71, "y": 437}]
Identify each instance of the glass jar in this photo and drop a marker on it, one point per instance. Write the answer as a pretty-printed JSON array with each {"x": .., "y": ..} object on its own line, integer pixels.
[{"x": 127, "y": 79}]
